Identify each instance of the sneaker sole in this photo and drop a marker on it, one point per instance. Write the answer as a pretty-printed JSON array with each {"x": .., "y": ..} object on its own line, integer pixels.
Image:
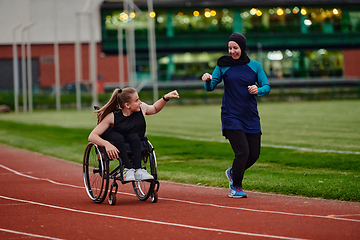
[
  {"x": 144, "y": 179},
  {"x": 233, "y": 196},
  {"x": 239, "y": 196}
]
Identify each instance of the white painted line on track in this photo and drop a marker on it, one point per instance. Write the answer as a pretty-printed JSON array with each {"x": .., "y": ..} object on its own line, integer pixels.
[
  {"x": 263, "y": 144},
  {"x": 260, "y": 211},
  {"x": 152, "y": 221},
  {"x": 36, "y": 178},
  {"x": 28, "y": 234},
  {"x": 194, "y": 203}
]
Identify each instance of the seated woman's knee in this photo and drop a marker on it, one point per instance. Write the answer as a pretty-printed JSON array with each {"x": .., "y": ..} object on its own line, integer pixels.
[{"x": 133, "y": 138}]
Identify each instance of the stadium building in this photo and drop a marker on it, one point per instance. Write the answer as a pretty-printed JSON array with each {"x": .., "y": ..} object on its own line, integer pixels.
[{"x": 292, "y": 39}]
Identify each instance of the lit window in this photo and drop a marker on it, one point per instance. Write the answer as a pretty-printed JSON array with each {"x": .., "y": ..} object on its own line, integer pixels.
[
  {"x": 152, "y": 14},
  {"x": 244, "y": 15},
  {"x": 307, "y": 22},
  {"x": 288, "y": 53},
  {"x": 295, "y": 10},
  {"x": 303, "y": 11},
  {"x": 160, "y": 19},
  {"x": 253, "y": 11},
  {"x": 280, "y": 12},
  {"x": 275, "y": 55}
]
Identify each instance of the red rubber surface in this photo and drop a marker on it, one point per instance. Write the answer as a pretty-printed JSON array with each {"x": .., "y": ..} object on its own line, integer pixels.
[{"x": 44, "y": 198}]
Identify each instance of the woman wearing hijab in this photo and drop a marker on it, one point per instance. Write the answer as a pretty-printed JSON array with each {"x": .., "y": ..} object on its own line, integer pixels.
[{"x": 244, "y": 80}]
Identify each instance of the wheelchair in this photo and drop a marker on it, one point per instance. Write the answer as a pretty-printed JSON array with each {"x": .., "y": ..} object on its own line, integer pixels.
[{"x": 99, "y": 170}]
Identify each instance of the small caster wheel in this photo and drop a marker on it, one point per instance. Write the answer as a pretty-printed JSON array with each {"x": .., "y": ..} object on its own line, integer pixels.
[
  {"x": 154, "y": 196},
  {"x": 112, "y": 198}
]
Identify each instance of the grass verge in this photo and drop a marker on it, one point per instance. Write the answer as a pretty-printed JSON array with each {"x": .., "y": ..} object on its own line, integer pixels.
[{"x": 325, "y": 175}]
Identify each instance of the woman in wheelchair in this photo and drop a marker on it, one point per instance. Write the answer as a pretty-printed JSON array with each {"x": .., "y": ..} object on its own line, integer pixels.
[{"x": 122, "y": 121}]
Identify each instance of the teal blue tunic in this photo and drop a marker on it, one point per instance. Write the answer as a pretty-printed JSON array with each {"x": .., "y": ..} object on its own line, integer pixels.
[{"x": 239, "y": 107}]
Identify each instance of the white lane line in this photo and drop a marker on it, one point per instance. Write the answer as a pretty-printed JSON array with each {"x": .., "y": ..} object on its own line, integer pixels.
[
  {"x": 36, "y": 178},
  {"x": 263, "y": 144},
  {"x": 194, "y": 203},
  {"x": 28, "y": 234},
  {"x": 261, "y": 211},
  {"x": 151, "y": 221}
]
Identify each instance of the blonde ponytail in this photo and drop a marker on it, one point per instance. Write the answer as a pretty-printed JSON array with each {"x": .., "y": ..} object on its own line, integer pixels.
[
  {"x": 109, "y": 107},
  {"x": 117, "y": 100}
]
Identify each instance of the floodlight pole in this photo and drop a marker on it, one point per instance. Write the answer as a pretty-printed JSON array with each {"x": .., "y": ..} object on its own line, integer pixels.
[
  {"x": 23, "y": 64},
  {"x": 78, "y": 55},
  {"x": 56, "y": 60},
  {"x": 16, "y": 70},
  {"x": 93, "y": 64},
  {"x": 29, "y": 67},
  {"x": 152, "y": 51},
  {"x": 121, "y": 57},
  {"x": 78, "y": 63},
  {"x": 130, "y": 44}
]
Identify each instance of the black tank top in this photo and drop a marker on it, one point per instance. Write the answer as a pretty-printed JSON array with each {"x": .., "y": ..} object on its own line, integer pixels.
[{"x": 135, "y": 123}]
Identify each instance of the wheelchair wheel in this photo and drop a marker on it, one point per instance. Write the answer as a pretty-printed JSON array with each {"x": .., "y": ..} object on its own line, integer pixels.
[
  {"x": 95, "y": 173},
  {"x": 154, "y": 196},
  {"x": 112, "y": 194},
  {"x": 143, "y": 189},
  {"x": 112, "y": 198}
]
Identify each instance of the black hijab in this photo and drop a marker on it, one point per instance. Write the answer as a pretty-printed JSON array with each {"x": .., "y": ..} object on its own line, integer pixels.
[{"x": 228, "y": 60}]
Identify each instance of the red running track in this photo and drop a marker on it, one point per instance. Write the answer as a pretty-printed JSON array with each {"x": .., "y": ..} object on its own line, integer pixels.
[{"x": 43, "y": 197}]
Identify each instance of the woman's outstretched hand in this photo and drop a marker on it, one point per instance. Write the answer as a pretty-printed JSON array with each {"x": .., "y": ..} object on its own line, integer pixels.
[
  {"x": 172, "y": 94},
  {"x": 206, "y": 77}
]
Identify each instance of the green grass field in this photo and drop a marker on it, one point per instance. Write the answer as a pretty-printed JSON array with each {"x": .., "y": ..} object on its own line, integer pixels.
[{"x": 190, "y": 148}]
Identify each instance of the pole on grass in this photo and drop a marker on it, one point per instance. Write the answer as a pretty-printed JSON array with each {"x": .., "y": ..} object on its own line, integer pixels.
[
  {"x": 152, "y": 50},
  {"x": 78, "y": 63},
  {"x": 29, "y": 67},
  {"x": 93, "y": 65},
  {"x": 16, "y": 69},
  {"x": 23, "y": 64},
  {"x": 56, "y": 60},
  {"x": 78, "y": 55}
]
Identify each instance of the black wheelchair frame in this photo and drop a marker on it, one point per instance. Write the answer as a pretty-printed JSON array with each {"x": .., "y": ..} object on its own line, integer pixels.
[{"x": 97, "y": 173}]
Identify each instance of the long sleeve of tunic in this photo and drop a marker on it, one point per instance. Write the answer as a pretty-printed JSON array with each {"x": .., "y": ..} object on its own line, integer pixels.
[{"x": 239, "y": 107}]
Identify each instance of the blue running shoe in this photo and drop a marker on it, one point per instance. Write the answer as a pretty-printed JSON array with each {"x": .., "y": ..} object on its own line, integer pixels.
[
  {"x": 229, "y": 176},
  {"x": 237, "y": 192}
]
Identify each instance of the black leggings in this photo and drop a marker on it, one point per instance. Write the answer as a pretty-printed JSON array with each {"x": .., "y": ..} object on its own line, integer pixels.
[
  {"x": 118, "y": 140},
  {"x": 246, "y": 147}
]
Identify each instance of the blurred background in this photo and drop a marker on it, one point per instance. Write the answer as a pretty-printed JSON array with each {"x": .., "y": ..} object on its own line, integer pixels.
[{"x": 72, "y": 53}]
